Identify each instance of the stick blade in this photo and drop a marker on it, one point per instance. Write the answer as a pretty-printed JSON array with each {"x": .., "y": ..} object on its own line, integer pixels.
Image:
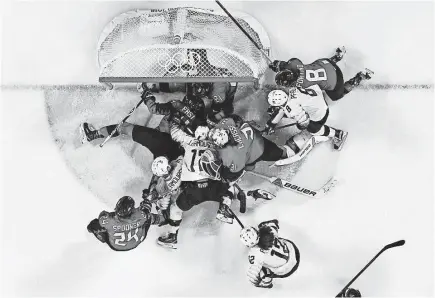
[
  {"x": 395, "y": 244},
  {"x": 327, "y": 187}
]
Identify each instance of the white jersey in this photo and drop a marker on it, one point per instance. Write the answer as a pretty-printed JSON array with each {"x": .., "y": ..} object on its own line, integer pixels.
[
  {"x": 280, "y": 259},
  {"x": 301, "y": 101},
  {"x": 191, "y": 170},
  {"x": 170, "y": 184}
]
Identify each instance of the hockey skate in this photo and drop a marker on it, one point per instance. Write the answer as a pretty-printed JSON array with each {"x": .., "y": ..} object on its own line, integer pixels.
[
  {"x": 169, "y": 240},
  {"x": 260, "y": 194},
  {"x": 224, "y": 213},
  {"x": 88, "y": 133},
  {"x": 366, "y": 74},
  {"x": 339, "y": 139},
  {"x": 339, "y": 54}
]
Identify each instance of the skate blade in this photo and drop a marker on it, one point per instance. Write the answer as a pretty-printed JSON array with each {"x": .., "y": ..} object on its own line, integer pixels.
[
  {"x": 167, "y": 245},
  {"x": 342, "y": 143},
  {"x": 224, "y": 219},
  {"x": 82, "y": 134}
]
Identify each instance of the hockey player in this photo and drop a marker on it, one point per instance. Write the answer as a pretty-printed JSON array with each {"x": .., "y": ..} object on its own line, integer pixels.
[
  {"x": 240, "y": 147},
  {"x": 210, "y": 101},
  {"x": 201, "y": 182},
  {"x": 127, "y": 227},
  {"x": 306, "y": 107},
  {"x": 188, "y": 113},
  {"x": 323, "y": 72},
  {"x": 159, "y": 143},
  {"x": 270, "y": 256}
]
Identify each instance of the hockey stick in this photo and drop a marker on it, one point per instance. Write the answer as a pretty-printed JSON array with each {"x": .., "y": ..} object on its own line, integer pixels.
[
  {"x": 299, "y": 189},
  {"x": 120, "y": 123},
  {"x": 243, "y": 30},
  {"x": 237, "y": 219},
  {"x": 391, "y": 245}
]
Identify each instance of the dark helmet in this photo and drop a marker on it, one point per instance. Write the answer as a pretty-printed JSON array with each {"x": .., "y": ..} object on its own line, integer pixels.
[
  {"x": 285, "y": 78},
  {"x": 201, "y": 89},
  {"x": 350, "y": 292},
  {"x": 266, "y": 237},
  {"x": 124, "y": 207}
]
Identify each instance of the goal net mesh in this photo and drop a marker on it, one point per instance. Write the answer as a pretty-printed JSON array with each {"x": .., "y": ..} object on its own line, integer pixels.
[{"x": 181, "y": 44}]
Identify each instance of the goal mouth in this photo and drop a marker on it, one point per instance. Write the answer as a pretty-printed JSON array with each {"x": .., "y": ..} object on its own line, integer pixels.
[{"x": 181, "y": 45}]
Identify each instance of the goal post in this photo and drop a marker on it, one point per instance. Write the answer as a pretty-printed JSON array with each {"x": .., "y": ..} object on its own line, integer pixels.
[{"x": 181, "y": 44}]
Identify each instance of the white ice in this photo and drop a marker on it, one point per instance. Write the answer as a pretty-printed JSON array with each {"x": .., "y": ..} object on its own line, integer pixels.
[{"x": 385, "y": 170}]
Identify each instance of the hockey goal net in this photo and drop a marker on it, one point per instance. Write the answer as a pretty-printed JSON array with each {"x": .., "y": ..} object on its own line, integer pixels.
[{"x": 181, "y": 45}]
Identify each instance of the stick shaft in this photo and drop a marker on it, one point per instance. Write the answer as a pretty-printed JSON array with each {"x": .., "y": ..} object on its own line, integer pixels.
[{"x": 243, "y": 30}]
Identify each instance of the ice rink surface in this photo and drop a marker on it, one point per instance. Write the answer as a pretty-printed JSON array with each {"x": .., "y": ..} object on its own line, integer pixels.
[{"x": 385, "y": 170}]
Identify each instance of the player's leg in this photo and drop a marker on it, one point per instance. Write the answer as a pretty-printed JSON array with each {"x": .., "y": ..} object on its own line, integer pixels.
[
  {"x": 170, "y": 239},
  {"x": 319, "y": 128},
  {"x": 88, "y": 133}
]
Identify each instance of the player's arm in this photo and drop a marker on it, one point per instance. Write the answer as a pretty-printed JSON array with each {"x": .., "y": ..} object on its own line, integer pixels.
[
  {"x": 156, "y": 108},
  {"x": 179, "y": 135},
  {"x": 292, "y": 64},
  {"x": 255, "y": 259},
  {"x": 276, "y": 114}
]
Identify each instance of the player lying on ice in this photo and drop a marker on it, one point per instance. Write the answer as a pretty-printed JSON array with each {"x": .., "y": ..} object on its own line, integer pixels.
[
  {"x": 127, "y": 227},
  {"x": 270, "y": 256},
  {"x": 323, "y": 72},
  {"x": 202, "y": 102}
]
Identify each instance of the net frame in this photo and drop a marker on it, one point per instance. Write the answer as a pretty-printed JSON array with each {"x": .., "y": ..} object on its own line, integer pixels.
[{"x": 253, "y": 67}]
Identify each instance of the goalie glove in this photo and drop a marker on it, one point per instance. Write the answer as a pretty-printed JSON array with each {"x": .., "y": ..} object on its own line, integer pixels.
[{"x": 210, "y": 164}]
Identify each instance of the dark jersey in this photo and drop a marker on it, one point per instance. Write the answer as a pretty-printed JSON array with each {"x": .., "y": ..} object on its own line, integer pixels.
[
  {"x": 127, "y": 233},
  {"x": 321, "y": 72}
]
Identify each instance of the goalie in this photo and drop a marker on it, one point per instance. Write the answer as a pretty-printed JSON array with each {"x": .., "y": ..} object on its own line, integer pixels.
[
  {"x": 323, "y": 72},
  {"x": 270, "y": 256}
]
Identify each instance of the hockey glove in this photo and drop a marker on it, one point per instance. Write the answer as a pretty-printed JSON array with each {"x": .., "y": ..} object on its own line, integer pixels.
[
  {"x": 276, "y": 65},
  {"x": 269, "y": 129},
  {"x": 163, "y": 203},
  {"x": 99, "y": 232},
  {"x": 149, "y": 195},
  {"x": 145, "y": 206}
]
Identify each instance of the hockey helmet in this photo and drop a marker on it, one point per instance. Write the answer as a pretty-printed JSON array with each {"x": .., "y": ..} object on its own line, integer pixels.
[
  {"x": 285, "y": 78},
  {"x": 124, "y": 207},
  {"x": 219, "y": 136},
  {"x": 351, "y": 292},
  {"x": 249, "y": 236},
  {"x": 201, "y": 89},
  {"x": 160, "y": 166},
  {"x": 277, "y": 98},
  {"x": 266, "y": 236},
  {"x": 201, "y": 132}
]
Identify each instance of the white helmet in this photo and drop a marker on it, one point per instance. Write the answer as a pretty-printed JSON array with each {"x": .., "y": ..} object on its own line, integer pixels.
[
  {"x": 277, "y": 98},
  {"x": 219, "y": 136},
  {"x": 160, "y": 166},
  {"x": 249, "y": 236},
  {"x": 201, "y": 132}
]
